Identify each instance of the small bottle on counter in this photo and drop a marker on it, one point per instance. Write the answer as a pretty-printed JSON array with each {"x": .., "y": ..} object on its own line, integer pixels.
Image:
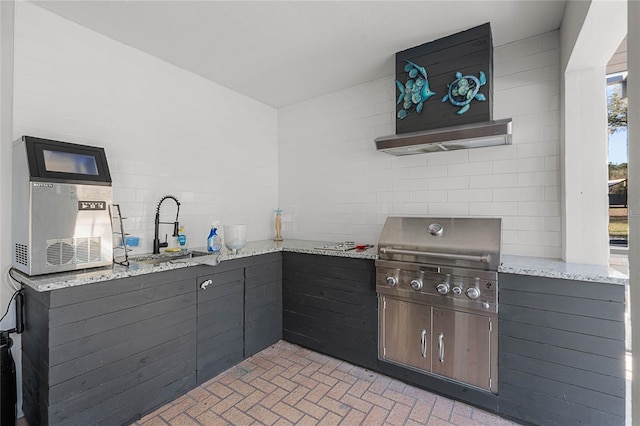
[
  {"x": 214, "y": 242},
  {"x": 182, "y": 239}
]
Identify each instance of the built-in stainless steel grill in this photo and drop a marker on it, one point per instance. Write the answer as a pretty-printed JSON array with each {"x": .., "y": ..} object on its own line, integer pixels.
[{"x": 437, "y": 285}]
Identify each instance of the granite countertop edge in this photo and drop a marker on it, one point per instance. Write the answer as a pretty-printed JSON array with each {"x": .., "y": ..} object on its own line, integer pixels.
[
  {"x": 520, "y": 265},
  {"x": 557, "y": 268}
]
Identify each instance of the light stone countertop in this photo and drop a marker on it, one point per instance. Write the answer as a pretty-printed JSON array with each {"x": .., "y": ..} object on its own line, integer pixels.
[
  {"x": 557, "y": 268},
  {"x": 146, "y": 264}
]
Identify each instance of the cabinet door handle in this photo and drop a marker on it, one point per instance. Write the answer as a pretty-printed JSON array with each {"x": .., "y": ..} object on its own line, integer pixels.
[
  {"x": 441, "y": 347},
  {"x": 206, "y": 284},
  {"x": 423, "y": 343}
]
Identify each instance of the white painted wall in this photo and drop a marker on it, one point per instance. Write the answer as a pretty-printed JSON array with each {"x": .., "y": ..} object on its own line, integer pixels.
[
  {"x": 7, "y": 288},
  {"x": 334, "y": 186},
  {"x": 165, "y": 130},
  {"x": 590, "y": 33}
]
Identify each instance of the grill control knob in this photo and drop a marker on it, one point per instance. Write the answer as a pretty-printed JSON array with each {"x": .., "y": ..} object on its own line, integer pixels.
[
  {"x": 473, "y": 293},
  {"x": 416, "y": 284},
  {"x": 392, "y": 281},
  {"x": 442, "y": 288},
  {"x": 457, "y": 290}
]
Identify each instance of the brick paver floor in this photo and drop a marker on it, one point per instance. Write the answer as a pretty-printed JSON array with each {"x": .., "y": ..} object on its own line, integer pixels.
[{"x": 286, "y": 384}]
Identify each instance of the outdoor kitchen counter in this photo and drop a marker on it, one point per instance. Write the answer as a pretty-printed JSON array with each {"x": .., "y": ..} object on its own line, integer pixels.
[
  {"x": 142, "y": 266},
  {"x": 519, "y": 265},
  {"x": 556, "y": 268}
]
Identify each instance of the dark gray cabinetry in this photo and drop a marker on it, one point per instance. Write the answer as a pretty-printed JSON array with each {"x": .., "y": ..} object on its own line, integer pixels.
[
  {"x": 262, "y": 303},
  {"x": 220, "y": 322},
  {"x": 330, "y": 306},
  {"x": 239, "y": 312},
  {"x": 108, "y": 352},
  {"x": 561, "y": 351}
]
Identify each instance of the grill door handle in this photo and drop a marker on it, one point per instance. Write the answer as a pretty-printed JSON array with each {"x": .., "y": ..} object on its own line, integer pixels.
[
  {"x": 485, "y": 258},
  {"x": 441, "y": 347},
  {"x": 423, "y": 343}
]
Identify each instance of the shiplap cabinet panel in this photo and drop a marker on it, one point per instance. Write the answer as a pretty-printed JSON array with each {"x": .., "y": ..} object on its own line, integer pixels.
[
  {"x": 111, "y": 352},
  {"x": 330, "y": 306},
  {"x": 562, "y": 351},
  {"x": 262, "y": 304},
  {"x": 105, "y": 351}
]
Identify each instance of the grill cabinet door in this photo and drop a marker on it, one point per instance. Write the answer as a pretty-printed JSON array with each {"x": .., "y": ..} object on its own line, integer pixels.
[
  {"x": 405, "y": 330},
  {"x": 461, "y": 346}
]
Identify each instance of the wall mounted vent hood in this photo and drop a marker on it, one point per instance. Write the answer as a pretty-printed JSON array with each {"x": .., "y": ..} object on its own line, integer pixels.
[{"x": 465, "y": 136}]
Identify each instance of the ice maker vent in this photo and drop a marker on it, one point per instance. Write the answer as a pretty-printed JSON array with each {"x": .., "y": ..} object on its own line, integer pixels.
[
  {"x": 22, "y": 254},
  {"x": 60, "y": 252},
  {"x": 88, "y": 250}
]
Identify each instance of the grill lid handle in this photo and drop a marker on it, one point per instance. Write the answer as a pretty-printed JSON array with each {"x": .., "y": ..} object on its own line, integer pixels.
[{"x": 485, "y": 258}]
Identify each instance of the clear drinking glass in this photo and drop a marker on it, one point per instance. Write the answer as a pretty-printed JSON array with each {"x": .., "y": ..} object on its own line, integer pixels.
[{"x": 235, "y": 237}]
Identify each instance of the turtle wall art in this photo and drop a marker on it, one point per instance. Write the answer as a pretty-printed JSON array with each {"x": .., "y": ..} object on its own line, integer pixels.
[
  {"x": 464, "y": 89},
  {"x": 415, "y": 91},
  {"x": 445, "y": 82}
]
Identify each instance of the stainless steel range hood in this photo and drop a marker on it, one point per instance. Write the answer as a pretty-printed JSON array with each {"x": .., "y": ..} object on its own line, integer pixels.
[{"x": 476, "y": 135}]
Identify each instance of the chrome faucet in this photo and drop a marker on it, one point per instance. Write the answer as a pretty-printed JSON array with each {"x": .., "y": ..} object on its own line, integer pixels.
[{"x": 156, "y": 241}]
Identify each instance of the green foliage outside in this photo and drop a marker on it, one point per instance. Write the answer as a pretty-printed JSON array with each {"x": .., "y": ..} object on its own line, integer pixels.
[
  {"x": 616, "y": 111},
  {"x": 617, "y": 120}
]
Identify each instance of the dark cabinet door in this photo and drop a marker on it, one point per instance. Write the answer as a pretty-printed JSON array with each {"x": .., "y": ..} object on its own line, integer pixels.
[
  {"x": 220, "y": 320},
  {"x": 262, "y": 305},
  {"x": 104, "y": 353}
]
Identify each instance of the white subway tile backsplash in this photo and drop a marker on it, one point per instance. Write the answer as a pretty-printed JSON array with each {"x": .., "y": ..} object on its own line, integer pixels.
[
  {"x": 552, "y": 224},
  {"x": 456, "y": 195},
  {"x": 539, "y": 238},
  {"x": 493, "y": 209},
  {"x": 506, "y": 180},
  {"x": 524, "y": 223},
  {"x": 410, "y": 185},
  {"x": 165, "y": 130},
  {"x": 429, "y": 171},
  {"x": 519, "y": 194},
  {"x": 470, "y": 169},
  {"x": 428, "y": 196},
  {"x": 538, "y": 149},
  {"x": 456, "y": 182},
  {"x": 532, "y": 164},
  {"x": 512, "y": 182},
  {"x": 449, "y": 209},
  {"x": 539, "y": 179},
  {"x": 448, "y": 157},
  {"x": 492, "y": 153},
  {"x": 539, "y": 208},
  {"x": 551, "y": 193},
  {"x": 552, "y": 163},
  {"x": 316, "y": 159}
]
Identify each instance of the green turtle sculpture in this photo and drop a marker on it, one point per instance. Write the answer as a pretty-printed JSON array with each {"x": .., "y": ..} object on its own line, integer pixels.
[{"x": 464, "y": 89}]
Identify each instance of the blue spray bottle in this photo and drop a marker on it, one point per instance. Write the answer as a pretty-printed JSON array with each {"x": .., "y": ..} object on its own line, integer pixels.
[{"x": 214, "y": 242}]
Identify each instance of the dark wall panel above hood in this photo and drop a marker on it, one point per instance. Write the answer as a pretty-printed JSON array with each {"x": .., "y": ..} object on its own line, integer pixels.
[{"x": 468, "y": 52}]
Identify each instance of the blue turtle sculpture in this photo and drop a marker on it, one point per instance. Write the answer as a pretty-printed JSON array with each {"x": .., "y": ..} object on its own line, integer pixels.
[
  {"x": 415, "y": 91},
  {"x": 464, "y": 89}
]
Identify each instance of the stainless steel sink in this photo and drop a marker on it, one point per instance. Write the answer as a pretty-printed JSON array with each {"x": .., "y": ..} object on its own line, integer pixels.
[{"x": 173, "y": 258}]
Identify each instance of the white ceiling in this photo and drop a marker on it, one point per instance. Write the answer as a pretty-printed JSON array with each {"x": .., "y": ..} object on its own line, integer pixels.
[{"x": 284, "y": 52}]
